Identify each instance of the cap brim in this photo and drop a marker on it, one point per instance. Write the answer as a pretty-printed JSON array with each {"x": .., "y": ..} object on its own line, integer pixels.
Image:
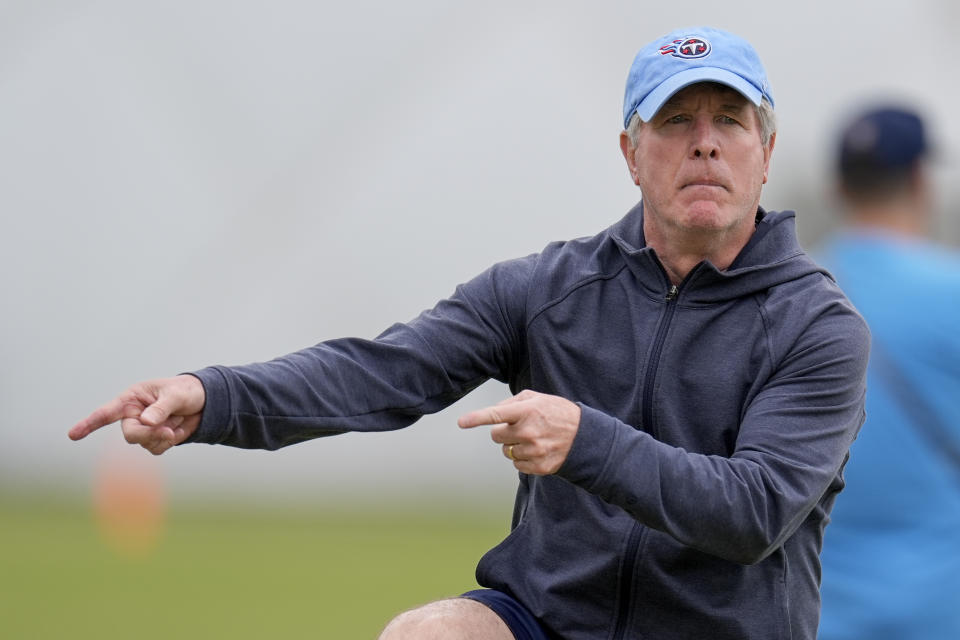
[{"x": 656, "y": 98}]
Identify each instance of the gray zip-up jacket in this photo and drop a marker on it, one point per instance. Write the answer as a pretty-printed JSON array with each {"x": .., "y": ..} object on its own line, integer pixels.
[{"x": 716, "y": 417}]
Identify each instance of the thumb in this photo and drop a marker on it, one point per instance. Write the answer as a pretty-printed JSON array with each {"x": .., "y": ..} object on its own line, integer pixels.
[{"x": 156, "y": 413}]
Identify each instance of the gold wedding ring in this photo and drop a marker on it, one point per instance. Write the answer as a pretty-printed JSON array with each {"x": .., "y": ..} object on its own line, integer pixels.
[{"x": 510, "y": 452}]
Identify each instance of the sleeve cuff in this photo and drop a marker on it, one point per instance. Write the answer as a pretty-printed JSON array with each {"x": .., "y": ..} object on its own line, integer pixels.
[
  {"x": 597, "y": 435},
  {"x": 215, "y": 419}
]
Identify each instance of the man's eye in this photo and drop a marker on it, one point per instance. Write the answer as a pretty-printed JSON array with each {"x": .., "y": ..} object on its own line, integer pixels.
[
  {"x": 678, "y": 119},
  {"x": 728, "y": 120}
]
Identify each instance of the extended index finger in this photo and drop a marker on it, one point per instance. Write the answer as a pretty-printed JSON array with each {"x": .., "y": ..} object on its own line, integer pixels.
[
  {"x": 507, "y": 413},
  {"x": 101, "y": 417}
]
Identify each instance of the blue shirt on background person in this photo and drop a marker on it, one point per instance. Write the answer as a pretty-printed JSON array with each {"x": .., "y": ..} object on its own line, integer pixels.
[{"x": 891, "y": 557}]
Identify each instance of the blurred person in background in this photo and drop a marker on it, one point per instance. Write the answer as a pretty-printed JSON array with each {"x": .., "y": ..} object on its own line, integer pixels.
[
  {"x": 687, "y": 384},
  {"x": 891, "y": 557}
]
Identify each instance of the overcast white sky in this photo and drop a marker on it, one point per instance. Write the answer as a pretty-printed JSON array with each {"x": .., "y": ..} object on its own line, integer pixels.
[{"x": 185, "y": 183}]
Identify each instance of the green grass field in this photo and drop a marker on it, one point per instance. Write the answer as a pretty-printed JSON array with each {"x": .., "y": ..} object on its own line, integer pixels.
[{"x": 230, "y": 572}]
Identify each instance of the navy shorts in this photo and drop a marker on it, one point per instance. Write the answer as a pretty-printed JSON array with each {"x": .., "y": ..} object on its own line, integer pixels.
[{"x": 521, "y": 622}]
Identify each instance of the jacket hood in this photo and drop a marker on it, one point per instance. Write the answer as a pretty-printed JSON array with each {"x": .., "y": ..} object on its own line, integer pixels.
[{"x": 771, "y": 257}]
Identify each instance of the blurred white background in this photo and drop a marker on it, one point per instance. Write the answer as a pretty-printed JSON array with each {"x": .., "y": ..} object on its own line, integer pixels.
[{"x": 185, "y": 183}]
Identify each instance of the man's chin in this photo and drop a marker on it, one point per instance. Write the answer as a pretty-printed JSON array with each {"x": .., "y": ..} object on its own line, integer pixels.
[{"x": 707, "y": 216}]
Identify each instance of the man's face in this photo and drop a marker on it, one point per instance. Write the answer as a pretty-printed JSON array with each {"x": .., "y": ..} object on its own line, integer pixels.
[{"x": 700, "y": 162}]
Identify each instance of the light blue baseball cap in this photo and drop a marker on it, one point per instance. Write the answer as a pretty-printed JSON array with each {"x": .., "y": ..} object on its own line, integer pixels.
[{"x": 688, "y": 56}]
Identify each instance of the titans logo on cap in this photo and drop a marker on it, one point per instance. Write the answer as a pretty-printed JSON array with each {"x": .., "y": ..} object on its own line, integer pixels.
[{"x": 692, "y": 47}]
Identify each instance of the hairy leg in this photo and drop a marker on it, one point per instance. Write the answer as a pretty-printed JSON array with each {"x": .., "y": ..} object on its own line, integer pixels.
[{"x": 453, "y": 619}]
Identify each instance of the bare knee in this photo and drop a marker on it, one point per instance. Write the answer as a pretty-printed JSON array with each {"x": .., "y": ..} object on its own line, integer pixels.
[{"x": 454, "y": 619}]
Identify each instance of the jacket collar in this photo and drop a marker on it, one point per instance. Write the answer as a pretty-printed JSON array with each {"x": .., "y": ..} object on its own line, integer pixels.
[{"x": 772, "y": 256}]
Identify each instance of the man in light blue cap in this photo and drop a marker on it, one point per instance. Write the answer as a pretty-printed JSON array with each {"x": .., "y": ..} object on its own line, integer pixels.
[{"x": 687, "y": 384}]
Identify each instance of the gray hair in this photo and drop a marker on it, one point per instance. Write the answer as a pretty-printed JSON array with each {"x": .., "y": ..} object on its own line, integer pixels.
[{"x": 768, "y": 123}]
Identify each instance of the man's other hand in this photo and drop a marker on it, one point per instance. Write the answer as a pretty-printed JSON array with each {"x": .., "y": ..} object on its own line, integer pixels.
[
  {"x": 535, "y": 430},
  {"x": 156, "y": 414}
]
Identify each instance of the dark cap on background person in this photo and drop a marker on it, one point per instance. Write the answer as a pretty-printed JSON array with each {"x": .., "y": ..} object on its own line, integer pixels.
[
  {"x": 688, "y": 56},
  {"x": 879, "y": 149}
]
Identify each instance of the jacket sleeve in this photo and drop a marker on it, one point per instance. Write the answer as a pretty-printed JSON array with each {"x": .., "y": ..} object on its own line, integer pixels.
[
  {"x": 792, "y": 442},
  {"x": 387, "y": 383}
]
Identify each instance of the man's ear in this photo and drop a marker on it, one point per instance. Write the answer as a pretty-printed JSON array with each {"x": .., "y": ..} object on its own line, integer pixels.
[
  {"x": 767, "y": 154},
  {"x": 628, "y": 150}
]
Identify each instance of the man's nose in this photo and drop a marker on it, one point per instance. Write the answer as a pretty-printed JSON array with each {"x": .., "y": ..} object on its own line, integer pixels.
[{"x": 704, "y": 142}]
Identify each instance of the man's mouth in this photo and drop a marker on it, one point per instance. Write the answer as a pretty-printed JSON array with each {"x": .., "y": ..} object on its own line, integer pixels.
[{"x": 704, "y": 182}]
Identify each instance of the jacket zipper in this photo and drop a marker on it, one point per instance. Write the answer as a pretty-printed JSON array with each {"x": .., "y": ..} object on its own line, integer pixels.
[
  {"x": 633, "y": 541},
  {"x": 660, "y": 338},
  {"x": 626, "y": 582}
]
